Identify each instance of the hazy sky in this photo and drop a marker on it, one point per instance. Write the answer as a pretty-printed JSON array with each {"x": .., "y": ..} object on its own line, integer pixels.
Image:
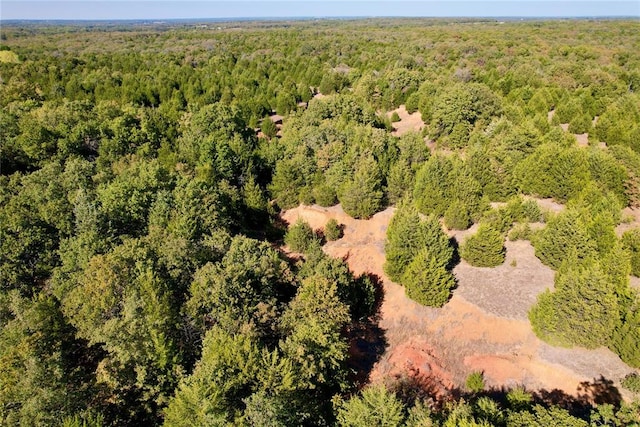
[{"x": 101, "y": 9}]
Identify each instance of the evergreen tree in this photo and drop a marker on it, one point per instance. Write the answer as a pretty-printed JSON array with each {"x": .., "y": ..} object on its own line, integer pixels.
[
  {"x": 403, "y": 240},
  {"x": 582, "y": 310},
  {"x": 631, "y": 243},
  {"x": 485, "y": 248},
  {"x": 362, "y": 196},
  {"x": 375, "y": 407},
  {"x": 407, "y": 235},
  {"x": 300, "y": 236},
  {"x": 427, "y": 280}
]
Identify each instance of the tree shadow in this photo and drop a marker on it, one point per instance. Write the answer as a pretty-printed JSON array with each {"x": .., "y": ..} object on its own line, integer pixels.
[
  {"x": 415, "y": 386},
  {"x": 367, "y": 340},
  {"x": 418, "y": 387},
  {"x": 455, "y": 257}
]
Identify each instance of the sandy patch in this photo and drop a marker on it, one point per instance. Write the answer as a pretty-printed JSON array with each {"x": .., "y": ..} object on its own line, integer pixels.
[
  {"x": 408, "y": 122},
  {"x": 582, "y": 138},
  {"x": 483, "y": 327},
  {"x": 631, "y": 218},
  {"x": 548, "y": 204}
]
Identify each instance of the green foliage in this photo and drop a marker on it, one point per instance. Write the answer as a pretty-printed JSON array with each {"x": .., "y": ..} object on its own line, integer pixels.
[
  {"x": 332, "y": 230},
  {"x": 475, "y": 382},
  {"x": 357, "y": 292},
  {"x": 485, "y": 248},
  {"x": 521, "y": 231},
  {"x": 432, "y": 185},
  {"x": 541, "y": 417},
  {"x": 239, "y": 289},
  {"x": 462, "y": 104},
  {"x": 313, "y": 327},
  {"x": 519, "y": 399},
  {"x": 582, "y": 310},
  {"x": 300, "y": 236},
  {"x": 631, "y": 243},
  {"x": 631, "y": 382},
  {"x": 268, "y": 127},
  {"x": 427, "y": 280},
  {"x": 407, "y": 235},
  {"x": 376, "y": 406},
  {"x": 225, "y": 374},
  {"x": 624, "y": 340},
  {"x": 564, "y": 236},
  {"x": 131, "y": 175},
  {"x": 395, "y": 117},
  {"x": 580, "y": 124},
  {"x": 362, "y": 196},
  {"x": 552, "y": 171},
  {"x": 456, "y": 217}
]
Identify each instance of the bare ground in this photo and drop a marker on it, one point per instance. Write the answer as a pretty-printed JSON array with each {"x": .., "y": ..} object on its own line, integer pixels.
[
  {"x": 484, "y": 327},
  {"x": 408, "y": 122}
]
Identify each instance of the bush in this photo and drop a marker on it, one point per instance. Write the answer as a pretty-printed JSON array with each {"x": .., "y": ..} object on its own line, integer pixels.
[
  {"x": 521, "y": 231},
  {"x": 427, "y": 280},
  {"x": 376, "y": 406},
  {"x": 395, "y": 117},
  {"x": 300, "y": 237},
  {"x": 411, "y": 104},
  {"x": 475, "y": 382},
  {"x": 631, "y": 382},
  {"x": 457, "y": 217},
  {"x": 324, "y": 195},
  {"x": 485, "y": 248},
  {"x": 332, "y": 230},
  {"x": 565, "y": 234},
  {"x": 531, "y": 211},
  {"x": 631, "y": 243},
  {"x": 582, "y": 310},
  {"x": 268, "y": 127},
  {"x": 580, "y": 124}
]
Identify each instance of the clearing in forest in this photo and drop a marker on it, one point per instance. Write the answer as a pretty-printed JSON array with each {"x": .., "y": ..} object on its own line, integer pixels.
[{"x": 484, "y": 327}]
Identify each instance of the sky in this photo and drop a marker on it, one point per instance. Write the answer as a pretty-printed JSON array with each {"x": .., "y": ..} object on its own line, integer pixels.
[{"x": 208, "y": 9}]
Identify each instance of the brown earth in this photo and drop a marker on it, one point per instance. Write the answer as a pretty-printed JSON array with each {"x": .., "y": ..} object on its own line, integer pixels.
[
  {"x": 408, "y": 122},
  {"x": 484, "y": 327}
]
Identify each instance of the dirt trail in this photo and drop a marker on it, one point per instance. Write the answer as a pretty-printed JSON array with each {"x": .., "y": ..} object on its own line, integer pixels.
[{"x": 484, "y": 327}]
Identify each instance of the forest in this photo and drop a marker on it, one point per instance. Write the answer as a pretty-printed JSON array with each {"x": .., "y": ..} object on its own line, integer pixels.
[{"x": 147, "y": 276}]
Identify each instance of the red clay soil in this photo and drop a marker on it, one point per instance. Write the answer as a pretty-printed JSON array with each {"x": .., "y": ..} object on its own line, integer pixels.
[{"x": 484, "y": 327}]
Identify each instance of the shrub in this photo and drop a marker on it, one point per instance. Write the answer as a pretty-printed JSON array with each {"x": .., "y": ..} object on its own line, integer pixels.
[
  {"x": 475, "y": 382},
  {"x": 565, "y": 234},
  {"x": 582, "y": 310},
  {"x": 300, "y": 236},
  {"x": 457, "y": 217},
  {"x": 411, "y": 104},
  {"x": 631, "y": 243},
  {"x": 580, "y": 124},
  {"x": 521, "y": 231},
  {"x": 376, "y": 406},
  {"x": 395, "y": 117},
  {"x": 519, "y": 399},
  {"x": 324, "y": 195},
  {"x": 631, "y": 382},
  {"x": 332, "y": 230},
  {"x": 268, "y": 127},
  {"x": 485, "y": 248},
  {"x": 531, "y": 211},
  {"x": 427, "y": 280}
]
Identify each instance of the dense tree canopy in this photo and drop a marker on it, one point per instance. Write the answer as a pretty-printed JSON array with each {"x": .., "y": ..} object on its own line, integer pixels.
[{"x": 141, "y": 276}]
